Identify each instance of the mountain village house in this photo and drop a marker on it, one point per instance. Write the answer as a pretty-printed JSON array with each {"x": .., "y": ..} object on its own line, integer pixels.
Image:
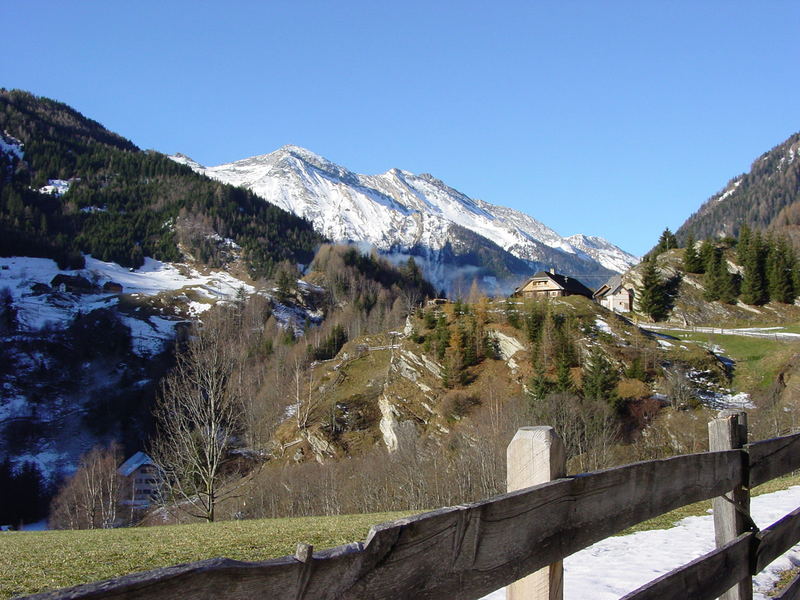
[
  {"x": 615, "y": 296},
  {"x": 142, "y": 474},
  {"x": 549, "y": 284}
]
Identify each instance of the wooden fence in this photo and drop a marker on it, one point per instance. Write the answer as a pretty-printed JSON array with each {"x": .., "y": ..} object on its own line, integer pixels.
[{"x": 466, "y": 551}]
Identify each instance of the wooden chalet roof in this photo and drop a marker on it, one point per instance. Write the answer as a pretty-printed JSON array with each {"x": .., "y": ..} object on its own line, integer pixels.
[{"x": 567, "y": 283}]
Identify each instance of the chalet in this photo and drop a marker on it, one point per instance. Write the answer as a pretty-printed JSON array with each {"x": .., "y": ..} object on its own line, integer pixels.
[
  {"x": 549, "y": 284},
  {"x": 142, "y": 474},
  {"x": 71, "y": 283},
  {"x": 615, "y": 296}
]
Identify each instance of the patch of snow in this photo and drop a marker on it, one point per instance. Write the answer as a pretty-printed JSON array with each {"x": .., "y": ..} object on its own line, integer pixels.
[
  {"x": 154, "y": 277},
  {"x": 729, "y": 192},
  {"x": 618, "y": 565},
  {"x": 664, "y": 343},
  {"x": 602, "y": 326},
  {"x": 11, "y": 145},
  {"x": 56, "y": 187}
]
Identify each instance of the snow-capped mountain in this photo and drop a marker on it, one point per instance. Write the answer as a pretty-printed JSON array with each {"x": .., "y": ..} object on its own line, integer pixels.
[{"x": 400, "y": 212}]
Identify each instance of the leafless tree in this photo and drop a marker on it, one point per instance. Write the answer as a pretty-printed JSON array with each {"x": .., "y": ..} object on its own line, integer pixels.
[
  {"x": 198, "y": 416},
  {"x": 90, "y": 498}
]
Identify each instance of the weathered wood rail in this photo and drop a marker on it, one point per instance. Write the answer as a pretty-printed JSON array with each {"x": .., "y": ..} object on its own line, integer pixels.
[{"x": 466, "y": 551}]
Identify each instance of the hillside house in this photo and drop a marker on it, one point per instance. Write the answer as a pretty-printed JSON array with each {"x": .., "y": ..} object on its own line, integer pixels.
[
  {"x": 549, "y": 284},
  {"x": 142, "y": 474},
  {"x": 615, "y": 296},
  {"x": 71, "y": 283}
]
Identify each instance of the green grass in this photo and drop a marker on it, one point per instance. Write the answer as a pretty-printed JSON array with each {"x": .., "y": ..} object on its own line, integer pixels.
[
  {"x": 758, "y": 360},
  {"x": 37, "y": 561}
]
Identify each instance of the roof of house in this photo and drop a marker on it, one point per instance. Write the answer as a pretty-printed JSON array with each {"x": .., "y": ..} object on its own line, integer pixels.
[
  {"x": 609, "y": 287},
  {"x": 569, "y": 284},
  {"x": 134, "y": 462}
]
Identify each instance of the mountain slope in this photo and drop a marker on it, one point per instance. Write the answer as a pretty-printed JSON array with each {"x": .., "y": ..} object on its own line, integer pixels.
[
  {"x": 767, "y": 197},
  {"x": 70, "y": 186},
  {"x": 402, "y": 212}
]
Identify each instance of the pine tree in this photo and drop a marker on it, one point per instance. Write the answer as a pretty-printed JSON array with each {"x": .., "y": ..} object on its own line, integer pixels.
[
  {"x": 780, "y": 269},
  {"x": 651, "y": 298},
  {"x": 667, "y": 241},
  {"x": 691, "y": 259},
  {"x": 540, "y": 386},
  {"x": 564, "y": 381},
  {"x": 719, "y": 284},
  {"x": 706, "y": 255},
  {"x": 754, "y": 284},
  {"x": 743, "y": 243},
  {"x": 600, "y": 379}
]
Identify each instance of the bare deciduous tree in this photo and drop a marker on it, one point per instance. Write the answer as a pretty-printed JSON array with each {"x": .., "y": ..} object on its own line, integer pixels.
[
  {"x": 198, "y": 416},
  {"x": 90, "y": 498}
]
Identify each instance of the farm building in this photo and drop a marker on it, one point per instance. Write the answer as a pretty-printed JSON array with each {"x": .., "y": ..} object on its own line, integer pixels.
[
  {"x": 71, "y": 283},
  {"x": 142, "y": 474},
  {"x": 615, "y": 296},
  {"x": 548, "y": 284}
]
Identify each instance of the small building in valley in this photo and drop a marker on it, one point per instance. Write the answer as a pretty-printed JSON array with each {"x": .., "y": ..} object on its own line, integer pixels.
[
  {"x": 142, "y": 475},
  {"x": 549, "y": 284},
  {"x": 614, "y": 295},
  {"x": 71, "y": 283}
]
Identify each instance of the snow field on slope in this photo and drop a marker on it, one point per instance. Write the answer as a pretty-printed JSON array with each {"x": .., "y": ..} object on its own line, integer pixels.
[
  {"x": 154, "y": 277},
  {"x": 618, "y": 565}
]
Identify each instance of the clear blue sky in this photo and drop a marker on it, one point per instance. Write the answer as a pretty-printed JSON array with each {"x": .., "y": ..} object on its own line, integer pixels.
[{"x": 608, "y": 118}]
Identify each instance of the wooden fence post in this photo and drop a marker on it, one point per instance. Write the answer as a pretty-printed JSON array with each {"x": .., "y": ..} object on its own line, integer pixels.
[
  {"x": 727, "y": 432},
  {"x": 536, "y": 455}
]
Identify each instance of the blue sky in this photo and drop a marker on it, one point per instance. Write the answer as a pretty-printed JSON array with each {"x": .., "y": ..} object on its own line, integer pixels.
[{"x": 607, "y": 118}]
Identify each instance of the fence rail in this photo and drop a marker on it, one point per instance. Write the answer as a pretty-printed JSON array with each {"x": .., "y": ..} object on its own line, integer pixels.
[{"x": 466, "y": 551}]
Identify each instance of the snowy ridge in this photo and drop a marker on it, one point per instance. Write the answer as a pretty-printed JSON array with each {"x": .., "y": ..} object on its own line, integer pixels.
[
  {"x": 604, "y": 252},
  {"x": 399, "y": 209}
]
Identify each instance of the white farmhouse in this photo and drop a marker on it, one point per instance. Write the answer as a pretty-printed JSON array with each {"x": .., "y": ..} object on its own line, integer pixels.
[{"x": 615, "y": 296}]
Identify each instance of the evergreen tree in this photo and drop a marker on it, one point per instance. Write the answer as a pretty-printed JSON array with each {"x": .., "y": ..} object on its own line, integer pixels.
[
  {"x": 780, "y": 271},
  {"x": 718, "y": 281},
  {"x": 691, "y": 259},
  {"x": 743, "y": 243},
  {"x": 540, "y": 386},
  {"x": 754, "y": 281},
  {"x": 667, "y": 241},
  {"x": 651, "y": 297},
  {"x": 706, "y": 255},
  {"x": 564, "y": 381},
  {"x": 600, "y": 379}
]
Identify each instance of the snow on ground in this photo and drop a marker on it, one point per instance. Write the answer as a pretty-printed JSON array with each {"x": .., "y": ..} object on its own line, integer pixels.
[
  {"x": 35, "y": 311},
  {"x": 616, "y": 566},
  {"x": 602, "y": 325},
  {"x": 56, "y": 187},
  {"x": 11, "y": 145},
  {"x": 763, "y": 332}
]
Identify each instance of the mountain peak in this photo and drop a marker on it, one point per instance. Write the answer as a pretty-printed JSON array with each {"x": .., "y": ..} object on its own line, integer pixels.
[{"x": 401, "y": 213}]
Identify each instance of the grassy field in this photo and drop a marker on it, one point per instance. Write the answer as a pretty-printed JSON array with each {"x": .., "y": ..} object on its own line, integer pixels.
[
  {"x": 758, "y": 360},
  {"x": 38, "y": 561}
]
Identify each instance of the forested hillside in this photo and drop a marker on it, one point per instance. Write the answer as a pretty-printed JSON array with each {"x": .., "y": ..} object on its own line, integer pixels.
[
  {"x": 70, "y": 186},
  {"x": 767, "y": 197}
]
